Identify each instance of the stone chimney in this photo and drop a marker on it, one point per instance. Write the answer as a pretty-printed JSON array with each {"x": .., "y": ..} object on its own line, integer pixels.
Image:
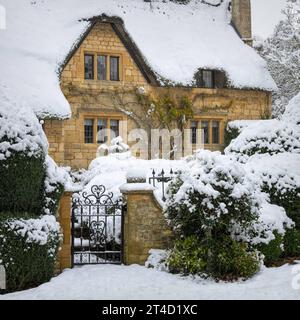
[{"x": 241, "y": 18}]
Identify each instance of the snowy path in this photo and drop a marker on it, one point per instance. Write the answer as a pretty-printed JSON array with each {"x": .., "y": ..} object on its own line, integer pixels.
[{"x": 136, "y": 282}]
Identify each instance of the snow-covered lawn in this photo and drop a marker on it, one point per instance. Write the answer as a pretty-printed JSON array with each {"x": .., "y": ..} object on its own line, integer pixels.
[{"x": 136, "y": 282}]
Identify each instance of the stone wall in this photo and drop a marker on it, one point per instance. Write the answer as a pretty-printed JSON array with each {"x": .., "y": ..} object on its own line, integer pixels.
[{"x": 145, "y": 226}]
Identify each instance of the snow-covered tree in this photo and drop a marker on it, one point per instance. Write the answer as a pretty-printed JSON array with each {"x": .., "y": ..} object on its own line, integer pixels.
[{"x": 282, "y": 53}]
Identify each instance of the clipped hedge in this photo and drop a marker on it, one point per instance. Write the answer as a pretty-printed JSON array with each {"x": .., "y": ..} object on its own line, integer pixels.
[
  {"x": 292, "y": 243},
  {"x": 22, "y": 181},
  {"x": 28, "y": 248},
  {"x": 289, "y": 199}
]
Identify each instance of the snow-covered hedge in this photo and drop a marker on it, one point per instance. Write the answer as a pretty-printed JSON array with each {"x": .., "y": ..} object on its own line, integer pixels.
[
  {"x": 267, "y": 136},
  {"x": 20, "y": 131},
  {"x": 28, "y": 248},
  {"x": 211, "y": 193},
  {"x": 292, "y": 111},
  {"x": 23, "y": 146},
  {"x": 215, "y": 191},
  {"x": 279, "y": 177},
  {"x": 30, "y": 179},
  {"x": 57, "y": 179},
  {"x": 234, "y": 128},
  {"x": 217, "y": 200}
]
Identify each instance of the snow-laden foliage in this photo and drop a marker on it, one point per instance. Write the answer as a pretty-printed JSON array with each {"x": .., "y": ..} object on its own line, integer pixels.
[
  {"x": 20, "y": 131},
  {"x": 292, "y": 111},
  {"x": 56, "y": 175},
  {"x": 282, "y": 53},
  {"x": 30, "y": 179},
  {"x": 157, "y": 259},
  {"x": 57, "y": 179},
  {"x": 239, "y": 125},
  {"x": 267, "y": 136},
  {"x": 116, "y": 146},
  {"x": 28, "y": 248},
  {"x": 280, "y": 171},
  {"x": 272, "y": 220},
  {"x": 214, "y": 193},
  {"x": 38, "y": 231},
  {"x": 270, "y": 150},
  {"x": 40, "y": 35}
]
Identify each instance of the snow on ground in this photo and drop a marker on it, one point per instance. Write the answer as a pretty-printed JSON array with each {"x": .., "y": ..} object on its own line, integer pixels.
[
  {"x": 40, "y": 34},
  {"x": 111, "y": 282}
]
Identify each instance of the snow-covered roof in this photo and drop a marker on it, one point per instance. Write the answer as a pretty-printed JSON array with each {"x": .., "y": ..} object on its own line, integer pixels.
[{"x": 175, "y": 41}]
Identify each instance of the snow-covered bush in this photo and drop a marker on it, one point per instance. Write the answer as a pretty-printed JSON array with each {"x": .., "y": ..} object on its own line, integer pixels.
[
  {"x": 55, "y": 181},
  {"x": 210, "y": 194},
  {"x": 28, "y": 248},
  {"x": 157, "y": 259},
  {"x": 292, "y": 111},
  {"x": 234, "y": 128},
  {"x": 116, "y": 146},
  {"x": 279, "y": 177},
  {"x": 265, "y": 136},
  {"x": 218, "y": 200},
  {"x": 188, "y": 257},
  {"x": 224, "y": 258},
  {"x": 214, "y": 201},
  {"x": 23, "y": 146}
]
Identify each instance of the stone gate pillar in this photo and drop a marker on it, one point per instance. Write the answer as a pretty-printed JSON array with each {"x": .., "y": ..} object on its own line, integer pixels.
[
  {"x": 145, "y": 226},
  {"x": 64, "y": 219}
]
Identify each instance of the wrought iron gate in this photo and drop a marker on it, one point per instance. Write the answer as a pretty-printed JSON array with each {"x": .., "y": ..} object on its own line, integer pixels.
[{"x": 97, "y": 228}]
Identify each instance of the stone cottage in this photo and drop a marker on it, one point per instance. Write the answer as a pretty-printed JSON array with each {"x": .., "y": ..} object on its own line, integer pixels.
[{"x": 201, "y": 50}]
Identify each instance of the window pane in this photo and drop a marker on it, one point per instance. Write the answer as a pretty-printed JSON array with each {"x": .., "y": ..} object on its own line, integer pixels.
[
  {"x": 205, "y": 131},
  {"x": 114, "y": 127},
  {"x": 101, "y": 130},
  {"x": 102, "y": 67},
  {"x": 207, "y": 79},
  {"x": 88, "y": 66},
  {"x": 89, "y": 131},
  {"x": 114, "y": 68},
  {"x": 216, "y": 132},
  {"x": 194, "y": 126}
]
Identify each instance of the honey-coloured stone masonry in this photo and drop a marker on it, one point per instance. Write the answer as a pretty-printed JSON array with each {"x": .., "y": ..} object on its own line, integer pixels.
[{"x": 94, "y": 99}]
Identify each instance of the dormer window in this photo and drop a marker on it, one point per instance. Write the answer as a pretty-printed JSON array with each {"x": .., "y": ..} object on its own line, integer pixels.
[
  {"x": 104, "y": 66},
  {"x": 205, "y": 79},
  {"x": 208, "y": 78}
]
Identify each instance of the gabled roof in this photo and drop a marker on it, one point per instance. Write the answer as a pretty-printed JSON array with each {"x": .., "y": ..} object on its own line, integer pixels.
[
  {"x": 168, "y": 41},
  {"x": 118, "y": 27}
]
